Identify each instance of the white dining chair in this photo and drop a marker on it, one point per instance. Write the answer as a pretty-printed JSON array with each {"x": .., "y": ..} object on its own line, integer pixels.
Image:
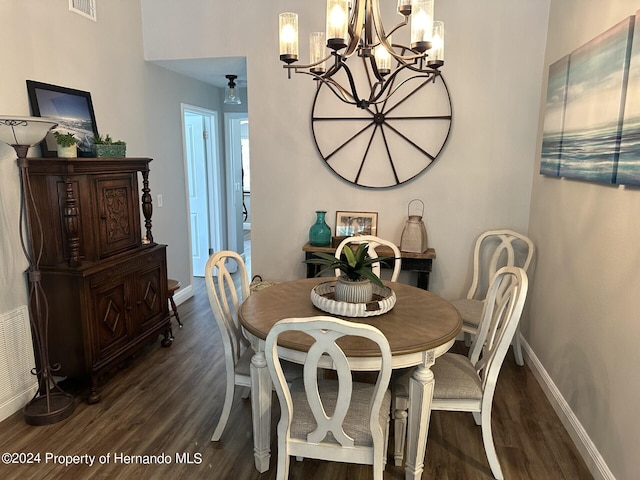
[
  {"x": 226, "y": 291},
  {"x": 467, "y": 383},
  {"x": 225, "y": 299},
  {"x": 373, "y": 242},
  {"x": 330, "y": 419},
  {"x": 493, "y": 249}
]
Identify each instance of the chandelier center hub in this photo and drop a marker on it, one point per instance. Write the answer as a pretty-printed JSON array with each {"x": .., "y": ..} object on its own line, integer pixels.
[{"x": 378, "y": 118}]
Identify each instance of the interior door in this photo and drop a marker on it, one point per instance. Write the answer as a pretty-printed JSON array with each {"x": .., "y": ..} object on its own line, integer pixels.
[{"x": 198, "y": 195}]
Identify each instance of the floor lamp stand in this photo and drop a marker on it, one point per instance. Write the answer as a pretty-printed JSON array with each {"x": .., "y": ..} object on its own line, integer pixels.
[{"x": 50, "y": 403}]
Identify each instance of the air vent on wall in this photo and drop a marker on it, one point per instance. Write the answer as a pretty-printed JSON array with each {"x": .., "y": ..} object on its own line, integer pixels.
[
  {"x": 86, "y": 8},
  {"x": 16, "y": 355}
]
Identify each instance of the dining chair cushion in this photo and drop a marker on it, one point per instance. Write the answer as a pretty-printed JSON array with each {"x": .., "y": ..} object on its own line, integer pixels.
[
  {"x": 455, "y": 378},
  {"x": 470, "y": 310},
  {"x": 304, "y": 423}
]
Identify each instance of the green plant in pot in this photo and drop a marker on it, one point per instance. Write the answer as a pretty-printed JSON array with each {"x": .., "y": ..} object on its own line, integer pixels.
[
  {"x": 66, "y": 144},
  {"x": 355, "y": 282},
  {"x": 107, "y": 147}
]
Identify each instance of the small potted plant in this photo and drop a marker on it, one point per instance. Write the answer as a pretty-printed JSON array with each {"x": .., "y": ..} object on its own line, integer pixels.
[
  {"x": 354, "y": 285},
  {"x": 107, "y": 147},
  {"x": 66, "y": 145}
]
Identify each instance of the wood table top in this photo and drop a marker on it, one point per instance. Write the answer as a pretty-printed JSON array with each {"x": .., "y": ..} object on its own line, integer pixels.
[{"x": 419, "y": 321}]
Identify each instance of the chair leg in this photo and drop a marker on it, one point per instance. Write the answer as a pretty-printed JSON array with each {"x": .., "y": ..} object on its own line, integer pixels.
[
  {"x": 400, "y": 414},
  {"x": 282, "y": 470},
  {"x": 477, "y": 417},
  {"x": 224, "y": 416},
  {"x": 386, "y": 445},
  {"x": 246, "y": 393},
  {"x": 517, "y": 348},
  {"x": 175, "y": 310},
  {"x": 489, "y": 447}
]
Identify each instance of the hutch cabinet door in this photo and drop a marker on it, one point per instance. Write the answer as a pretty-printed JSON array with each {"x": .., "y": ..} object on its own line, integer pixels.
[
  {"x": 150, "y": 289},
  {"x": 118, "y": 210},
  {"x": 112, "y": 325}
]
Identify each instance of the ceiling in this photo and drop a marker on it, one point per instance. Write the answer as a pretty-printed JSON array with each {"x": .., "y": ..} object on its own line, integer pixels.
[{"x": 209, "y": 70}]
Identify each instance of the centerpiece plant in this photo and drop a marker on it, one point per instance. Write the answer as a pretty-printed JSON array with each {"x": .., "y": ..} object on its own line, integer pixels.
[{"x": 356, "y": 272}]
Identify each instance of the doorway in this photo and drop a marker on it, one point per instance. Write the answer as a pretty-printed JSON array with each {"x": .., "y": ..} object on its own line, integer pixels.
[{"x": 204, "y": 182}]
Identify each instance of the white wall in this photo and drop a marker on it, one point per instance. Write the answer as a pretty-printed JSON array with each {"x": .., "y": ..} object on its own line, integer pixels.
[
  {"x": 481, "y": 180},
  {"x": 583, "y": 306}
]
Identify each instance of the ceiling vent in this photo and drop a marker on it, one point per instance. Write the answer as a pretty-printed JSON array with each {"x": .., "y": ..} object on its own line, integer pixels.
[{"x": 86, "y": 8}]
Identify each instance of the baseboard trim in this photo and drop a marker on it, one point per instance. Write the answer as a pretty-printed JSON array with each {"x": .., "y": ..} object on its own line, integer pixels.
[
  {"x": 590, "y": 454},
  {"x": 16, "y": 403},
  {"x": 183, "y": 294}
]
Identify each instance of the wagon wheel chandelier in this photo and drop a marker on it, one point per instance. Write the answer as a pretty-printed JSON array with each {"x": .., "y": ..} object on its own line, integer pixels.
[{"x": 355, "y": 27}]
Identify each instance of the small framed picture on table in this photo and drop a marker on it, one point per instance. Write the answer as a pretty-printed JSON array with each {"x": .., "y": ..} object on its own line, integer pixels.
[{"x": 350, "y": 224}]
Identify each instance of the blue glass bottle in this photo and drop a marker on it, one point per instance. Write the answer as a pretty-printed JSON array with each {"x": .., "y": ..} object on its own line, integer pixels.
[{"x": 320, "y": 233}]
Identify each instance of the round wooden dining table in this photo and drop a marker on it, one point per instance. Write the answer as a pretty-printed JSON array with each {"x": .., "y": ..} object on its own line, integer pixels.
[{"x": 420, "y": 327}]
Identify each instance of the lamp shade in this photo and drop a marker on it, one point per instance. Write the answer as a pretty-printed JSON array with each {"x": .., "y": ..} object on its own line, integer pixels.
[{"x": 24, "y": 131}]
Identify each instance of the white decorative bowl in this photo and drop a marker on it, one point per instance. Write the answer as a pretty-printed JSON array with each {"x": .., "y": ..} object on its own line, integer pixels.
[{"x": 322, "y": 296}]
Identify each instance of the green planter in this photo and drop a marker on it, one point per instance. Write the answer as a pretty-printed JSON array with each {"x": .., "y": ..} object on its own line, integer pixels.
[{"x": 110, "y": 151}]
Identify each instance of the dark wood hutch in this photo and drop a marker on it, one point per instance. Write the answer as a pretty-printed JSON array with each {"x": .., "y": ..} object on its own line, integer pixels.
[{"x": 106, "y": 282}]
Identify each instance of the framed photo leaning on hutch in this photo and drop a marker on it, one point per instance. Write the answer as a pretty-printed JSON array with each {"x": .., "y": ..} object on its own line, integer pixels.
[{"x": 72, "y": 109}]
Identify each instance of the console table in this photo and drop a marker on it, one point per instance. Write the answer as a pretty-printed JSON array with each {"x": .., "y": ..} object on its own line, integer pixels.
[{"x": 421, "y": 263}]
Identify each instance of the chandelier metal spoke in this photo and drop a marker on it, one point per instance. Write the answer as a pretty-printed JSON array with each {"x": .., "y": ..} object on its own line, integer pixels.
[
  {"x": 366, "y": 152},
  {"x": 386, "y": 145},
  {"x": 347, "y": 142},
  {"x": 411, "y": 142}
]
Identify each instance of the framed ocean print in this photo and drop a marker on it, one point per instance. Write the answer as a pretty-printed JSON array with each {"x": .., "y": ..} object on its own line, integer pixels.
[
  {"x": 596, "y": 86},
  {"x": 72, "y": 109},
  {"x": 349, "y": 224},
  {"x": 628, "y": 172},
  {"x": 554, "y": 117}
]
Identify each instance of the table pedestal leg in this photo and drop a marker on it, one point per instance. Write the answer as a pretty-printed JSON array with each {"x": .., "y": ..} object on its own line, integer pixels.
[
  {"x": 420, "y": 395},
  {"x": 261, "y": 411}
]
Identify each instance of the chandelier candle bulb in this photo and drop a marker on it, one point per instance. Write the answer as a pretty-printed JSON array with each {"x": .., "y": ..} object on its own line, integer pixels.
[
  {"x": 337, "y": 23},
  {"x": 421, "y": 25},
  {"x": 436, "y": 55},
  {"x": 317, "y": 45},
  {"x": 383, "y": 58},
  {"x": 288, "y": 37},
  {"x": 404, "y": 7}
]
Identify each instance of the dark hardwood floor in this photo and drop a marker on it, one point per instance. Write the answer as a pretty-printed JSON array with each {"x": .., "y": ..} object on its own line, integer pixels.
[{"x": 166, "y": 402}]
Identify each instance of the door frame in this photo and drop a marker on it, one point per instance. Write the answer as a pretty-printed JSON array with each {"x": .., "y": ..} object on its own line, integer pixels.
[{"x": 233, "y": 164}]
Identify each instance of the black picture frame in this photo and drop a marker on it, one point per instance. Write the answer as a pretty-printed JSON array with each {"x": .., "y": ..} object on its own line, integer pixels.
[{"x": 72, "y": 109}]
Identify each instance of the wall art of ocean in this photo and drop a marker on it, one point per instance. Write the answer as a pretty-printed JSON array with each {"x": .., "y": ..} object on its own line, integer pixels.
[
  {"x": 629, "y": 160},
  {"x": 594, "y": 155}
]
